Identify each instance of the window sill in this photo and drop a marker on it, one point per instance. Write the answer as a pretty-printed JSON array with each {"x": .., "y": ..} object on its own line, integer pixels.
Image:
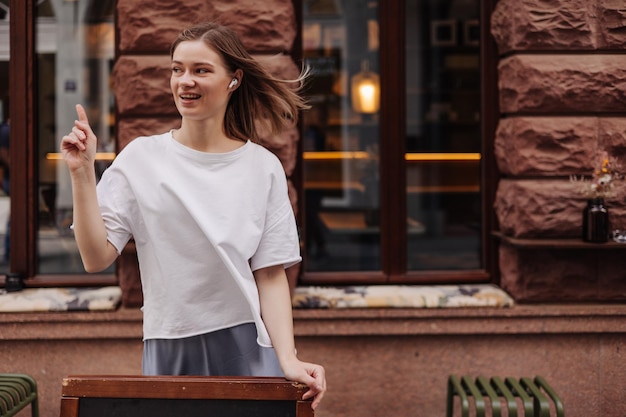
[
  {"x": 118, "y": 324},
  {"x": 520, "y": 319}
]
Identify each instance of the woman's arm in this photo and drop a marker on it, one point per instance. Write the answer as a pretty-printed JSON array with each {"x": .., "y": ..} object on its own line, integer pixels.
[
  {"x": 79, "y": 150},
  {"x": 276, "y": 312}
]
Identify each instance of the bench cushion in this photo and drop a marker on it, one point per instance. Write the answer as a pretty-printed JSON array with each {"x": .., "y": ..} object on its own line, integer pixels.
[
  {"x": 402, "y": 296},
  {"x": 60, "y": 299}
]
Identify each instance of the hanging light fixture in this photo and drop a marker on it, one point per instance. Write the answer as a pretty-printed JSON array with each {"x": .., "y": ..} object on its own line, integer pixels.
[{"x": 365, "y": 87}]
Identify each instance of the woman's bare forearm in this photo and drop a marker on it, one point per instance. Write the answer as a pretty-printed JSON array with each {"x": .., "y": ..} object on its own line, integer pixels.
[
  {"x": 96, "y": 251},
  {"x": 79, "y": 150},
  {"x": 276, "y": 312}
]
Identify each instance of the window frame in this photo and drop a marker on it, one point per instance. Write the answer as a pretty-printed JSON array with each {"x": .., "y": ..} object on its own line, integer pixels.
[
  {"x": 393, "y": 164},
  {"x": 24, "y": 193}
]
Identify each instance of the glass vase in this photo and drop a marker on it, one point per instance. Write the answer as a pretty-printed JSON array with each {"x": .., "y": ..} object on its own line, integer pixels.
[{"x": 595, "y": 221}]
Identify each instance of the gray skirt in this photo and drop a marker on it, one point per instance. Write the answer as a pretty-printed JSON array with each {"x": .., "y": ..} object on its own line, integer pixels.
[{"x": 228, "y": 352}]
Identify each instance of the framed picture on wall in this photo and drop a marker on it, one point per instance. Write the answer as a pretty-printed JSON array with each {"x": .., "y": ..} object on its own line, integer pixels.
[
  {"x": 443, "y": 32},
  {"x": 372, "y": 35},
  {"x": 471, "y": 33}
]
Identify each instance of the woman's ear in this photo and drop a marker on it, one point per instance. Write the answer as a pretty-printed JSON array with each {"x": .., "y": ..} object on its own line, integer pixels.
[{"x": 236, "y": 81}]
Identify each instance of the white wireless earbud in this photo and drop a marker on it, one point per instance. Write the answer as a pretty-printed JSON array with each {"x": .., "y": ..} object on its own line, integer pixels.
[{"x": 233, "y": 83}]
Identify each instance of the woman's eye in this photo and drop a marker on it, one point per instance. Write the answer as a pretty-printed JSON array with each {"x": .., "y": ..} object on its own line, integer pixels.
[
  {"x": 175, "y": 69},
  {"x": 202, "y": 70}
]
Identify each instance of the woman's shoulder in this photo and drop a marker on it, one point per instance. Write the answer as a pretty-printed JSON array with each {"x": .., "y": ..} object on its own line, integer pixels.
[
  {"x": 262, "y": 153},
  {"x": 146, "y": 143}
]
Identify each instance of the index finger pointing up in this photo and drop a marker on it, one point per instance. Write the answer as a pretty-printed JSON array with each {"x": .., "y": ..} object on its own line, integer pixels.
[{"x": 82, "y": 114}]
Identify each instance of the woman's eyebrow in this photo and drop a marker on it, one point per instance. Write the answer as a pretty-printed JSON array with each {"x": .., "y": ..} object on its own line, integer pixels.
[{"x": 198, "y": 63}]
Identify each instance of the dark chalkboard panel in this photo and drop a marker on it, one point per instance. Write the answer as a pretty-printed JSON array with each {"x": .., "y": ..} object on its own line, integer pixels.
[
  {"x": 131, "y": 407},
  {"x": 139, "y": 396}
]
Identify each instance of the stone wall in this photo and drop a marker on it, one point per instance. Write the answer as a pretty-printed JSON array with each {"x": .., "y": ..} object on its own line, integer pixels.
[
  {"x": 379, "y": 362},
  {"x": 145, "y": 31},
  {"x": 562, "y": 97}
]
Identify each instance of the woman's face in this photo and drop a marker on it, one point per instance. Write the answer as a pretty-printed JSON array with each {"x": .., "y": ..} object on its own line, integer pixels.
[{"x": 199, "y": 81}]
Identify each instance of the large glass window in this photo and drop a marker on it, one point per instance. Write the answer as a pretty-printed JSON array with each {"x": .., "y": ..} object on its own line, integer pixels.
[
  {"x": 443, "y": 139},
  {"x": 62, "y": 53},
  {"x": 359, "y": 213},
  {"x": 5, "y": 160},
  {"x": 74, "y": 57},
  {"x": 341, "y": 136}
]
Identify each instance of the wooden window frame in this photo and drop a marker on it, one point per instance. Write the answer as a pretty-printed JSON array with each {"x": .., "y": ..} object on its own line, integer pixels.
[
  {"x": 393, "y": 167},
  {"x": 24, "y": 193}
]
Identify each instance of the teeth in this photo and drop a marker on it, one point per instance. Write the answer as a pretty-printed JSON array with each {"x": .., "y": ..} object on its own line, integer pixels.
[{"x": 189, "y": 96}]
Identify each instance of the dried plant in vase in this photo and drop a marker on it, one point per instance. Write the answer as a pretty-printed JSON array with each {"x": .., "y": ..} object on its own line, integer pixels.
[
  {"x": 595, "y": 221},
  {"x": 602, "y": 181}
]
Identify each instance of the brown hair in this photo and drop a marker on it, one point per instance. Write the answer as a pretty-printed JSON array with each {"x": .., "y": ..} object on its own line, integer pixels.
[{"x": 260, "y": 96}]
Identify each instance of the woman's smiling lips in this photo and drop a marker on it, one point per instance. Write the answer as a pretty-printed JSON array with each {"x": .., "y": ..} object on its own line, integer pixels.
[{"x": 189, "y": 96}]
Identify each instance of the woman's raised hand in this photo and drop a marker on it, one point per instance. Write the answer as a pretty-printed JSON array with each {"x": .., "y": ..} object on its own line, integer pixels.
[{"x": 79, "y": 146}]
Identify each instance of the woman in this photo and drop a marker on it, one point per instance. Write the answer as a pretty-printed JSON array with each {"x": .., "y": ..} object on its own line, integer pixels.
[{"x": 210, "y": 215}]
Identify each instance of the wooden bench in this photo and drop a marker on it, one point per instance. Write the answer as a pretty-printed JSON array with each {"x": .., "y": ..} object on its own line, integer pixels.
[{"x": 189, "y": 396}]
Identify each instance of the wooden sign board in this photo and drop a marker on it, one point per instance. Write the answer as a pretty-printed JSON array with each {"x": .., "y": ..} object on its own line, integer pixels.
[{"x": 189, "y": 396}]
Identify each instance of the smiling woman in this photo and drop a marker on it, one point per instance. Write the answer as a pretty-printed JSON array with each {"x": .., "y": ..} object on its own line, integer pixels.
[
  {"x": 259, "y": 96},
  {"x": 210, "y": 215},
  {"x": 201, "y": 90}
]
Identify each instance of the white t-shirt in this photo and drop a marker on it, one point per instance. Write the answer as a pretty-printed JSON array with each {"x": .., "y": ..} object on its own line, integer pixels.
[{"x": 202, "y": 222}]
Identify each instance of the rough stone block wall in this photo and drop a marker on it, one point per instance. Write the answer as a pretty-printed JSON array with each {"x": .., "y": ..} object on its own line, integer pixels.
[
  {"x": 145, "y": 31},
  {"x": 562, "y": 97}
]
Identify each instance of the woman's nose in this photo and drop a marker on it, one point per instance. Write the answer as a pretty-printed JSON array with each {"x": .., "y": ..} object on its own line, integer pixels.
[{"x": 187, "y": 79}]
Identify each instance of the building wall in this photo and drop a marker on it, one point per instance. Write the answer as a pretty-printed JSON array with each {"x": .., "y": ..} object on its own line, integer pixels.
[
  {"x": 562, "y": 100},
  {"x": 562, "y": 103},
  {"x": 379, "y": 362}
]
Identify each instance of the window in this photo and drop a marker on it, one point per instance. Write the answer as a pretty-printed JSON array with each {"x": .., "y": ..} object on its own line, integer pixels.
[
  {"x": 443, "y": 143},
  {"x": 73, "y": 66},
  {"x": 5, "y": 160},
  {"x": 341, "y": 136},
  {"x": 392, "y": 150},
  {"x": 61, "y": 54}
]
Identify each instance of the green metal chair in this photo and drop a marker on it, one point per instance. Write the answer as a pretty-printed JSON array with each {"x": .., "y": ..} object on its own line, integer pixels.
[
  {"x": 523, "y": 398},
  {"x": 16, "y": 392}
]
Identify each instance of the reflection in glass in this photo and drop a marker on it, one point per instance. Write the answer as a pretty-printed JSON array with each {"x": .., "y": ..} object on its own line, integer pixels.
[
  {"x": 340, "y": 139},
  {"x": 5, "y": 130},
  {"x": 75, "y": 52},
  {"x": 443, "y": 134}
]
